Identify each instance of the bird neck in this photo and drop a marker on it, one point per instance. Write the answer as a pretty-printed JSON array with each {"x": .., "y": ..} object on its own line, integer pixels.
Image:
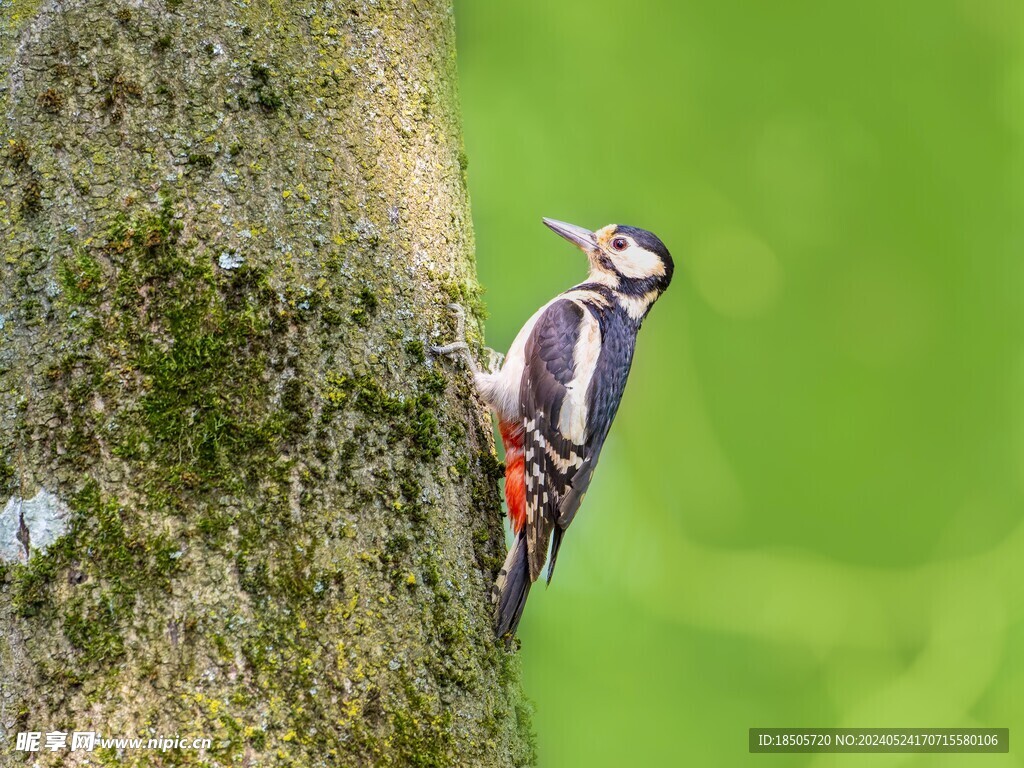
[{"x": 603, "y": 299}]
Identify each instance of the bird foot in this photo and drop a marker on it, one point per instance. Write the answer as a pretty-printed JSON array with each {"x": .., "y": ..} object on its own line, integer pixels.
[
  {"x": 460, "y": 347},
  {"x": 494, "y": 360}
]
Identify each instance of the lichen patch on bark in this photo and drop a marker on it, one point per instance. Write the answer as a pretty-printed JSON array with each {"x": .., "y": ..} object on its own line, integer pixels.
[{"x": 31, "y": 524}]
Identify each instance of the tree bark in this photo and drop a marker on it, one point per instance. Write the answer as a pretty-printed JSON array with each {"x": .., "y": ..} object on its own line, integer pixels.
[{"x": 241, "y": 500}]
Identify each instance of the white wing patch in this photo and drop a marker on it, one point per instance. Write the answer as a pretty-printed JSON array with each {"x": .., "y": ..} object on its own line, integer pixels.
[{"x": 572, "y": 421}]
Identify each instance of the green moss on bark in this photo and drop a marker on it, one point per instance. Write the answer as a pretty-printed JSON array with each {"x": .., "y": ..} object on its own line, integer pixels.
[{"x": 229, "y": 235}]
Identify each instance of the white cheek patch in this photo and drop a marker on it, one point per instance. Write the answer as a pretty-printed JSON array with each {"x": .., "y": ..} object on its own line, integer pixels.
[{"x": 639, "y": 263}]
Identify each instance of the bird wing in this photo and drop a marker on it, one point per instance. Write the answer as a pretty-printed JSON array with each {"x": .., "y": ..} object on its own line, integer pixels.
[
  {"x": 561, "y": 355},
  {"x": 604, "y": 387}
]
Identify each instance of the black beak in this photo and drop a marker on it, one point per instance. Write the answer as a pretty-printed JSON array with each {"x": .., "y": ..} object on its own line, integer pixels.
[{"x": 584, "y": 238}]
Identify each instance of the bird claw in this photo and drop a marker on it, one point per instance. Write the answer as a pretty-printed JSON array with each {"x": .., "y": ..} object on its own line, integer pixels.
[
  {"x": 449, "y": 349},
  {"x": 460, "y": 345},
  {"x": 494, "y": 359}
]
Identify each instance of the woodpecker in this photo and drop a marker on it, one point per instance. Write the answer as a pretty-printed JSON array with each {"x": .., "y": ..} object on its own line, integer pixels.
[{"x": 557, "y": 392}]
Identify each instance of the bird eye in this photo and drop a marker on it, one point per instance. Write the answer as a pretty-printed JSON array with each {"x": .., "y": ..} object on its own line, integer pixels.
[{"x": 620, "y": 243}]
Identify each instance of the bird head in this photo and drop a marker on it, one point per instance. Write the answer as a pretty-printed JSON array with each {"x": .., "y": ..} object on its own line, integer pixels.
[{"x": 629, "y": 260}]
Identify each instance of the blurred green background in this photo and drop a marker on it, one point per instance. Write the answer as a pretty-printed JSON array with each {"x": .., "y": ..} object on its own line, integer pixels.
[{"x": 810, "y": 508}]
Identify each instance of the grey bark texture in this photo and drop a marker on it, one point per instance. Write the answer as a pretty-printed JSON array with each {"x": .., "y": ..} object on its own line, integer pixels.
[{"x": 240, "y": 500}]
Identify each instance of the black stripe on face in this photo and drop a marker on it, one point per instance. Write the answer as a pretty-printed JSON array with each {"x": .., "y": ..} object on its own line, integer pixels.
[
  {"x": 604, "y": 262},
  {"x": 641, "y": 286}
]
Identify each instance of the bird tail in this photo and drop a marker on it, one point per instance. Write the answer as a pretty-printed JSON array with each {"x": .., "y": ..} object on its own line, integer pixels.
[
  {"x": 512, "y": 587},
  {"x": 556, "y": 543}
]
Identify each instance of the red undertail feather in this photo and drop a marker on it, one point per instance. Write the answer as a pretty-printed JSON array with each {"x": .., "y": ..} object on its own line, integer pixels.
[{"x": 515, "y": 473}]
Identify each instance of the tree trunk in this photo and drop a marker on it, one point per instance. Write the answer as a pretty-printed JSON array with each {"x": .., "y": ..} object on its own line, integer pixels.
[{"x": 242, "y": 502}]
